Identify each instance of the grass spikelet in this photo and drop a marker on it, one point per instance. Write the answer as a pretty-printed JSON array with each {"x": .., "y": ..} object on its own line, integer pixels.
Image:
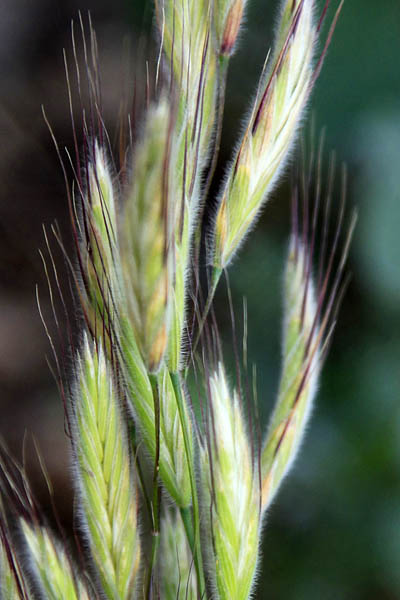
[
  {"x": 309, "y": 319},
  {"x": 177, "y": 579},
  {"x": 135, "y": 309},
  {"x": 99, "y": 242},
  {"x": 50, "y": 565},
  {"x": 231, "y": 500},
  {"x": 300, "y": 373},
  {"x": 154, "y": 295},
  {"x": 147, "y": 244},
  {"x": 107, "y": 485},
  {"x": 102, "y": 206},
  {"x": 270, "y": 131}
]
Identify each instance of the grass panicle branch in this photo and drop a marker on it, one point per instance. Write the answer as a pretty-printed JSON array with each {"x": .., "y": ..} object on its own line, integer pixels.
[{"x": 170, "y": 488}]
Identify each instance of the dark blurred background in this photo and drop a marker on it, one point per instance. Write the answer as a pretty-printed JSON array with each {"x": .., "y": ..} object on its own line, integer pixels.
[{"x": 334, "y": 531}]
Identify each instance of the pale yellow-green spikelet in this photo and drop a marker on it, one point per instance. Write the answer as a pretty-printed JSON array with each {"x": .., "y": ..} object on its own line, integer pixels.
[
  {"x": 300, "y": 371},
  {"x": 50, "y": 565},
  {"x": 228, "y": 16},
  {"x": 270, "y": 132},
  {"x": 99, "y": 242},
  {"x": 149, "y": 260},
  {"x": 177, "y": 576},
  {"x": 147, "y": 241},
  {"x": 231, "y": 499},
  {"x": 107, "y": 486}
]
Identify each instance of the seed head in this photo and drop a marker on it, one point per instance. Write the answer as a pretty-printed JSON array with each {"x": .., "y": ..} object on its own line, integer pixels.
[
  {"x": 270, "y": 131},
  {"x": 231, "y": 497},
  {"x": 99, "y": 242},
  {"x": 302, "y": 346},
  {"x": 147, "y": 242},
  {"x": 107, "y": 487}
]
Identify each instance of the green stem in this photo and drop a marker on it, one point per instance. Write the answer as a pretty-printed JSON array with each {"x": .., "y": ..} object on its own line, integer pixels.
[{"x": 192, "y": 529}]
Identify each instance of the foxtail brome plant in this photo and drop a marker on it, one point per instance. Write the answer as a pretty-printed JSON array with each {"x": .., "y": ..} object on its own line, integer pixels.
[{"x": 172, "y": 490}]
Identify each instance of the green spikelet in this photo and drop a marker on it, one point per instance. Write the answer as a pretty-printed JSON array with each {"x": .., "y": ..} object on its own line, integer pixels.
[
  {"x": 177, "y": 579},
  {"x": 106, "y": 482},
  {"x": 154, "y": 297},
  {"x": 301, "y": 367},
  {"x": 231, "y": 501},
  {"x": 147, "y": 241},
  {"x": 99, "y": 243},
  {"x": 270, "y": 132},
  {"x": 50, "y": 565}
]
